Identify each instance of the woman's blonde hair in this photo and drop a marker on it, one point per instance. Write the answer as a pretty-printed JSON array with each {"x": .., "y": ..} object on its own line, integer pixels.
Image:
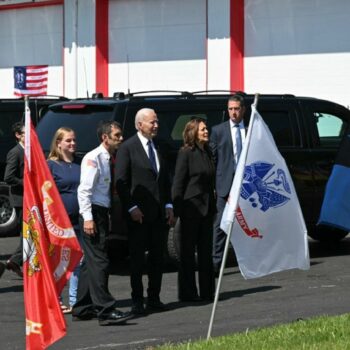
[{"x": 55, "y": 152}]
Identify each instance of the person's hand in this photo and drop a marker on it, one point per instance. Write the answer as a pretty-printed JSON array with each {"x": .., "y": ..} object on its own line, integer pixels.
[
  {"x": 89, "y": 227},
  {"x": 136, "y": 215},
  {"x": 169, "y": 214}
]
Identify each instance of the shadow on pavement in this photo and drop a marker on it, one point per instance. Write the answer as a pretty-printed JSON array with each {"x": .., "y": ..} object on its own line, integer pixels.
[
  {"x": 4, "y": 257},
  {"x": 13, "y": 289},
  {"x": 242, "y": 292}
]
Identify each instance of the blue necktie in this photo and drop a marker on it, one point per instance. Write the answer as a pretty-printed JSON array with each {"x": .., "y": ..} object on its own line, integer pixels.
[
  {"x": 152, "y": 157},
  {"x": 238, "y": 141}
]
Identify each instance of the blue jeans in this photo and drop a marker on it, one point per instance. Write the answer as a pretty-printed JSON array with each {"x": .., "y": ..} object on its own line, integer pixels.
[
  {"x": 74, "y": 277},
  {"x": 73, "y": 285}
]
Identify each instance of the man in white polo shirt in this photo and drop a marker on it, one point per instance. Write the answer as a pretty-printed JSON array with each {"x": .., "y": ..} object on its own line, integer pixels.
[{"x": 94, "y": 197}]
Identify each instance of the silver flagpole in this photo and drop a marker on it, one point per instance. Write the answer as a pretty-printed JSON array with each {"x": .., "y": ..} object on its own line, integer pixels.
[{"x": 228, "y": 239}]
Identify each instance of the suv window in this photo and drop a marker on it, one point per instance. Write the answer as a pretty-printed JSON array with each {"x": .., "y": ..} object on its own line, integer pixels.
[
  {"x": 182, "y": 120},
  {"x": 280, "y": 125},
  {"x": 8, "y": 118},
  {"x": 328, "y": 123},
  {"x": 86, "y": 136},
  {"x": 282, "y": 122},
  {"x": 330, "y": 129}
]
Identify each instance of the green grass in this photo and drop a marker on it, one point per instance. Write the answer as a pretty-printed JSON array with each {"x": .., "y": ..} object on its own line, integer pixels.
[{"x": 322, "y": 333}]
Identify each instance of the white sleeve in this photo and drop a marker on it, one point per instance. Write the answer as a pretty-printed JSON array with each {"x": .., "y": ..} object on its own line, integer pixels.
[{"x": 88, "y": 177}]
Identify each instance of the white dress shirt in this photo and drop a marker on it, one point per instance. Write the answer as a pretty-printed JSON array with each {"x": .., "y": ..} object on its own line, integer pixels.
[
  {"x": 144, "y": 141},
  {"x": 95, "y": 180},
  {"x": 240, "y": 129}
]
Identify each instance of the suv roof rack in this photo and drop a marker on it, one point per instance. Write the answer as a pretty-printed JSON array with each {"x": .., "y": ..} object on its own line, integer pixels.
[
  {"x": 46, "y": 97},
  {"x": 42, "y": 97},
  {"x": 183, "y": 93},
  {"x": 118, "y": 96},
  {"x": 232, "y": 92},
  {"x": 97, "y": 95}
]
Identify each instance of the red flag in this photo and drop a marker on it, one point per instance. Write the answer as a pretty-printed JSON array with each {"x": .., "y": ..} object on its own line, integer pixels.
[{"x": 50, "y": 248}]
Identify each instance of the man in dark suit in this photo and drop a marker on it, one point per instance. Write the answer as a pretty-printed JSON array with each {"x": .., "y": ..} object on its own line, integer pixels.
[
  {"x": 142, "y": 182},
  {"x": 226, "y": 144},
  {"x": 14, "y": 177}
]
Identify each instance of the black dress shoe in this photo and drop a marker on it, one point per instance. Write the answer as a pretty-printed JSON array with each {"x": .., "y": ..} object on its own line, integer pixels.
[
  {"x": 155, "y": 306},
  {"x": 138, "y": 309},
  {"x": 2, "y": 268},
  {"x": 87, "y": 316},
  {"x": 114, "y": 317}
]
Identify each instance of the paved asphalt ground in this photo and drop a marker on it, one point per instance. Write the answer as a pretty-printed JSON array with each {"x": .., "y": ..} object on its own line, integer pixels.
[{"x": 244, "y": 305}]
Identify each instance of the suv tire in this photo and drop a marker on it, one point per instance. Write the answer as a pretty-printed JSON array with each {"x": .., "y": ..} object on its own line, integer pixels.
[
  {"x": 173, "y": 243},
  {"x": 8, "y": 217}
]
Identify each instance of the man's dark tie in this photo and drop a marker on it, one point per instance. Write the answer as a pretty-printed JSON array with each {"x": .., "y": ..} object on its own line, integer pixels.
[
  {"x": 238, "y": 141},
  {"x": 152, "y": 157}
]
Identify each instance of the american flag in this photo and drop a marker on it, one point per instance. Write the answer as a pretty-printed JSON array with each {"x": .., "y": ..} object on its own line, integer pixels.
[{"x": 30, "y": 80}]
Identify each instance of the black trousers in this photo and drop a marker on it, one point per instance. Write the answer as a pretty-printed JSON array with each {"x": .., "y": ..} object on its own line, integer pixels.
[
  {"x": 93, "y": 292},
  {"x": 146, "y": 236},
  {"x": 17, "y": 256},
  {"x": 196, "y": 233},
  {"x": 219, "y": 236}
]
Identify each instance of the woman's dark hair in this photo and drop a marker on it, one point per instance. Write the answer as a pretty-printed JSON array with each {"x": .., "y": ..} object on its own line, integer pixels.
[{"x": 191, "y": 131}]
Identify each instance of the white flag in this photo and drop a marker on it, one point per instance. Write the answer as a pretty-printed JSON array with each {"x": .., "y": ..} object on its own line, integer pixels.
[{"x": 269, "y": 232}]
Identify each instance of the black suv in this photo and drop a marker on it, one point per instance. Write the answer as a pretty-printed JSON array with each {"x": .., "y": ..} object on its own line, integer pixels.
[
  {"x": 307, "y": 131},
  {"x": 12, "y": 111}
]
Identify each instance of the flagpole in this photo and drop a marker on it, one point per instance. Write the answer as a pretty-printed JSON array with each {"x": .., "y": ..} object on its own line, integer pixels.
[
  {"x": 27, "y": 124},
  {"x": 228, "y": 239}
]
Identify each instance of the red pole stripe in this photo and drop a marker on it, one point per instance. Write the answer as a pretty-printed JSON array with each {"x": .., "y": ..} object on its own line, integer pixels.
[
  {"x": 237, "y": 44},
  {"x": 102, "y": 54}
]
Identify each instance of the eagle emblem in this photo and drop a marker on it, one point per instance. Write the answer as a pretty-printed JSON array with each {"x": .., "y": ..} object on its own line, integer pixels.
[{"x": 265, "y": 184}]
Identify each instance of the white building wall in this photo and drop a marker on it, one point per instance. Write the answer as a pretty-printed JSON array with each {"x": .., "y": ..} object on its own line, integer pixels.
[
  {"x": 79, "y": 48},
  {"x": 218, "y": 45},
  {"x": 299, "y": 47},
  {"x": 28, "y": 37},
  {"x": 157, "y": 44}
]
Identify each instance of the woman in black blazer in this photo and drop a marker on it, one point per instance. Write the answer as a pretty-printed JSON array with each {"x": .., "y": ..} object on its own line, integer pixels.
[{"x": 194, "y": 204}]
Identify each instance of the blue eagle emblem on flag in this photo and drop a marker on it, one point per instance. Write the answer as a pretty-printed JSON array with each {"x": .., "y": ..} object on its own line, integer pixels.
[{"x": 268, "y": 182}]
